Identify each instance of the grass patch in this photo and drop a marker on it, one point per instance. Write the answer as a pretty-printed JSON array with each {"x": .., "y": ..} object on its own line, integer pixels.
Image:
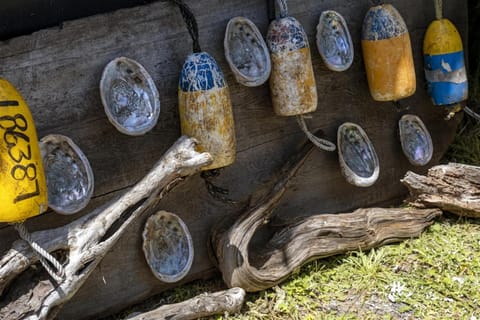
[{"x": 435, "y": 276}]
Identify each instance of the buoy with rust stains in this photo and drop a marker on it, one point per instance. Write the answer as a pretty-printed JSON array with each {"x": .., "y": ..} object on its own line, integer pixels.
[
  {"x": 206, "y": 109},
  {"x": 23, "y": 188},
  {"x": 444, "y": 62},
  {"x": 387, "y": 54},
  {"x": 292, "y": 82}
]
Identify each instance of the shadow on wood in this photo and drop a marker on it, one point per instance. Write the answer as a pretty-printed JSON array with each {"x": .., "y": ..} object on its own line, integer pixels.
[
  {"x": 58, "y": 72},
  {"x": 264, "y": 265}
]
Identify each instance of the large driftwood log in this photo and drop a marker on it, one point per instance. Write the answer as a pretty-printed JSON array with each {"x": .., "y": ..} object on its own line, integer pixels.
[
  {"x": 204, "y": 305},
  {"x": 257, "y": 267},
  {"x": 88, "y": 239},
  {"x": 454, "y": 187}
]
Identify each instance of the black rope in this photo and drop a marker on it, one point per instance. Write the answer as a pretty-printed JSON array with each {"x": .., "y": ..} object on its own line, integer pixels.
[
  {"x": 271, "y": 9},
  {"x": 191, "y": 23},
  {"x": 215, "y": 191},
  {"x": 399, "y": 107}
]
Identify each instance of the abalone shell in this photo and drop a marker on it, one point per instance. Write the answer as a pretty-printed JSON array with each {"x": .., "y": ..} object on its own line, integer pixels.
[{"x": 357, "y": 156}]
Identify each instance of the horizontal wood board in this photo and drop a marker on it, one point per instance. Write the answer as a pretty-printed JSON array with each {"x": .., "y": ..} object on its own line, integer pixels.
[{"x": 58, "y": 71}]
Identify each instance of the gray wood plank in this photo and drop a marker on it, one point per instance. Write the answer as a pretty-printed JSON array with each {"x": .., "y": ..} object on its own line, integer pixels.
[{"x": 58, "y": 71}]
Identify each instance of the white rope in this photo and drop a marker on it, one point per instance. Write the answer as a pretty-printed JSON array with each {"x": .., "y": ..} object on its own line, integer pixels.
[
  {"x": 471, "y": 113},
  {"x": 281, "y": 8},
  {"x": 42, "y": 254},
  {"x": 438, "y": 9},
  {"x": 321, "y": 143}
]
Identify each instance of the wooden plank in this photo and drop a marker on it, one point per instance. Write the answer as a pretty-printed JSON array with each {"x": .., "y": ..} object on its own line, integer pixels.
[{"x": 58, "y": 72}]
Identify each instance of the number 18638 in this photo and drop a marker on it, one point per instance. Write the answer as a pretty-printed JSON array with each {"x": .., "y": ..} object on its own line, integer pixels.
[{"x": 18, "y": 147}]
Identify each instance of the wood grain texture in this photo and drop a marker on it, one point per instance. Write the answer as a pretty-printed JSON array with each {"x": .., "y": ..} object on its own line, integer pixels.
[
  {"x": 58, "y": 72},
  {"x": 453, "y": 187},
  {"x": 256, "y": 265},
  {"x": 207, "y": 304}
]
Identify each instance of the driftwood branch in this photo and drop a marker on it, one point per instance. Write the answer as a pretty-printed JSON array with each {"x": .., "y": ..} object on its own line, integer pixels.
[
  {"x": 88, "y": 239},
  {"x": 204, "y": 305},
  {"x": 257, "y": 267},
  {"x": 454, "y": 187}
]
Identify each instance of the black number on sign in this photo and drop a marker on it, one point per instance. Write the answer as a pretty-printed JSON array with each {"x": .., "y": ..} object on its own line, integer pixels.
[
  {"x": 20, "y": 172},
  {"x": 26, "y": 196},
  {"x": 15, "y": 123},
  {"x": 9, "y": 103}
]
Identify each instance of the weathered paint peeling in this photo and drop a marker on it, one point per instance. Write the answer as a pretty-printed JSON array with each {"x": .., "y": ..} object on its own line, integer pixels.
[
  {"x": 206, "y": 110},
  {"x": 444, "y": 63},
  {"x": 387, "y": 53},
  {"x": 292, "y": 82}
]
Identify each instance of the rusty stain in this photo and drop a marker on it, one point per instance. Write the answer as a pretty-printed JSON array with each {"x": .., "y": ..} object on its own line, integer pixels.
[
  {"x": 292, "y": 83},
  {"x": 207, "y": 115}
]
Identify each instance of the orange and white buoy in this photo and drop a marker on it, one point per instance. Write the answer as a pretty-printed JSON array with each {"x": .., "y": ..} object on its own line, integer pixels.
[{"x": 387, "y": 54}]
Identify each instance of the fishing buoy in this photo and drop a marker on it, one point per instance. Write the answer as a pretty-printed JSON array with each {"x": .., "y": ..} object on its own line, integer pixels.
[
  {"x": 444, "y": 62},
  {"x": 292, "y": 82},
  {"x": 23, "y": 188},
  {"x": 206, "y": 110},
  {"x": 387, "y": 54}
]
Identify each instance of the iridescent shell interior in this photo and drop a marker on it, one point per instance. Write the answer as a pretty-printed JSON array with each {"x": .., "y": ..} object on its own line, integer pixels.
[
  {"x": 129, "y": 96},
  {"x": 415, "y": 139},
  {"x": 357, "y": 156},
  {"x": 69, "y": 175},
  {"x": 168, "y": 247},
  {"x": 246, "y": 52},
  {"x": 334, "y": 41}
]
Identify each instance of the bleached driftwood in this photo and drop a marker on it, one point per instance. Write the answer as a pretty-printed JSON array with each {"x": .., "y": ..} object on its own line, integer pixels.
[
  {"x": 453, "y": 187},
  {"x": 204, "y": 305},
  {"x": 260, "y": 266},
  {"x": 86, "y": 240}
]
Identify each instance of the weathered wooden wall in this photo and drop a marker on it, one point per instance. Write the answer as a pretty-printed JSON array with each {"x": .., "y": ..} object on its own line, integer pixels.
[{"x": 58, "y": 72}]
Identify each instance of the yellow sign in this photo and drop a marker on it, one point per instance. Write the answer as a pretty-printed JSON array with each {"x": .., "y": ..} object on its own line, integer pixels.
[{"x": 23, "y": 189}]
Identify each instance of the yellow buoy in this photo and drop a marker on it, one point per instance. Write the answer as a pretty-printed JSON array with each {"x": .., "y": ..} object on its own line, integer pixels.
[
  {"x": 206, "y": 109},
  {"x": 387, "y": 54},
  {"x": 444, "y": 62},
  {"x": 23, "y": 190}
]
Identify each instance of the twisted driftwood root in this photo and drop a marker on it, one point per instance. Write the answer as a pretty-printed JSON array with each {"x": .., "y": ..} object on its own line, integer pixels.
[
  {"x": 86, "y": 240},
  {"x": 454, "y": 187},
  {"x": 258, "y": 267},
  {"x": 204, "y": 305}
]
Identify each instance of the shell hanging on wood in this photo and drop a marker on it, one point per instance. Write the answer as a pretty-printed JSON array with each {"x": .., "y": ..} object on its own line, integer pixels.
[
  {"x": 69, "y": 175},
  {"x": 415, "y": 139},
  {"x": 334, "y": 42},
  {"x": 246, "y": 52},
  {"x": 129, "y": 96},
  {"x": 168, "y": 246},
  {"x": 358, "y": 160}
]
